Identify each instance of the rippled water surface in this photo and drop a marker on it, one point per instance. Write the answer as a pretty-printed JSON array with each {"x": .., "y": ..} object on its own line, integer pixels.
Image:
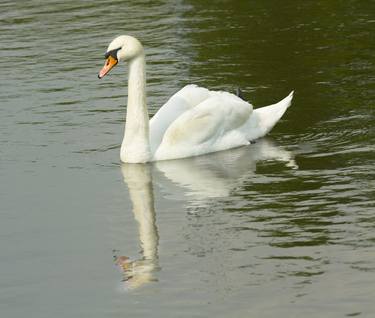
[{"x": 282, "y": 228}]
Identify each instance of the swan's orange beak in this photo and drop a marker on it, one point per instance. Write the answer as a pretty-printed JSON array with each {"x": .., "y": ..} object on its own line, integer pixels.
[{"x": 110, "y": 62}]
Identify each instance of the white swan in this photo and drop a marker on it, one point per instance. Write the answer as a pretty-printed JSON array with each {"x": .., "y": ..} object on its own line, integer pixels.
[{"x": 193, "y": 122}]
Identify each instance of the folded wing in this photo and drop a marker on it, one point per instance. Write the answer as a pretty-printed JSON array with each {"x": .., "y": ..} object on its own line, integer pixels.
[
  {"x": 185, "y": 99},
  {"x": 210, "y": 126}
]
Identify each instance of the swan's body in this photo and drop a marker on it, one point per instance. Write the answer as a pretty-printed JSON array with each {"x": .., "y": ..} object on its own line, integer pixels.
[{"x": 193, "y": 122}]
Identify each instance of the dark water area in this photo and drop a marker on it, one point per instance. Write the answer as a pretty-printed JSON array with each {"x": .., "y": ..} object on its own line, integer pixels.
[{"x": 284, "y": 227}]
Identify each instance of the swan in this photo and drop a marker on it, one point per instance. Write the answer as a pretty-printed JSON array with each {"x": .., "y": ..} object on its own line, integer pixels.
[{"x": 194, "y": 121}]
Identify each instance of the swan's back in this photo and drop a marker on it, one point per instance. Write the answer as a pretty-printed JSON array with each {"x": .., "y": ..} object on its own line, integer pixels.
[
  {"x": 197, "y": 121},
  {"x": 209, "y": 126}
]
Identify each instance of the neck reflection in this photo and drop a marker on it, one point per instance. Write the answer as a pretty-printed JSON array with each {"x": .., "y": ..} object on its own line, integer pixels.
[
  {"x": 198, "y": 178},
  {"x": 141, "y": 271}
]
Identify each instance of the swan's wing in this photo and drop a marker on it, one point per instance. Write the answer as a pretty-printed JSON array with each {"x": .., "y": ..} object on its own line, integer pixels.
[
  {"x": 186, "y": 98},
  {"x": 265, "y": 118},
  {"x": 210, "y": 126}
]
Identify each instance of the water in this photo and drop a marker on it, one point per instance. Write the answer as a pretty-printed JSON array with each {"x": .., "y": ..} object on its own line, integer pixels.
[{"x": 284, "y": 227}]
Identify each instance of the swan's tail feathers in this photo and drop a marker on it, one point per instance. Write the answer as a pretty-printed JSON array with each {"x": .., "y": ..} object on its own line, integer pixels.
[
  {"x": 263, "y": 119},
  {"x": 288, "y": 100}
]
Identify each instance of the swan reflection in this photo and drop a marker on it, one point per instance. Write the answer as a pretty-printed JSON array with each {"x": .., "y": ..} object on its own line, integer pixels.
[
  {"x": 219, "y": 173},
  {"x": 141, "y": 271},
  {"x": 215, "y": 175}
]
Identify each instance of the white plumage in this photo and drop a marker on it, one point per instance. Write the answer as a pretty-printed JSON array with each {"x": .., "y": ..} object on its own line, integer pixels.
[
  {"x": 193, "y": 122},
  {"x": 196, "y": 121}
]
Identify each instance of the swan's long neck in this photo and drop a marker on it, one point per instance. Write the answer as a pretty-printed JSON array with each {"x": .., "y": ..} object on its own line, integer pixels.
[{"x": 135, "y": 146}]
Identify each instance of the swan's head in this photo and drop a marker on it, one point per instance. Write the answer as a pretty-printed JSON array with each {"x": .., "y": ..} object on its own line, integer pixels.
[{"x": 122, "y": 48}]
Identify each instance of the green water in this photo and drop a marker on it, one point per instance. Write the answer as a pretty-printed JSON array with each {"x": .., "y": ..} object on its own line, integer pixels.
[{"x": 282, "y": 228}]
